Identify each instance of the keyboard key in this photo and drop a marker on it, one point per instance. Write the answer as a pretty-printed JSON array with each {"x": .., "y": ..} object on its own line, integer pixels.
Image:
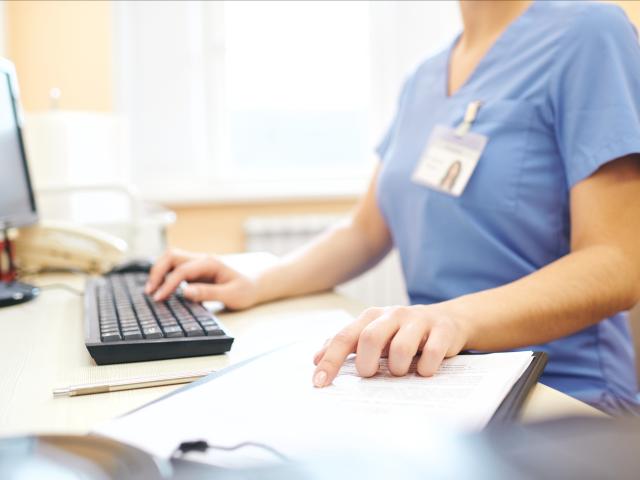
[
  {"x": 152, "y": 332},
  {"x": 126, "y": 316},
  {"x": 162, "y": 312},
  {"x": 141, "y": 303},
  {"x": 177, "y": 306},
  {"x": 172, "y": 332},
  {"x": 111, "y": 337},
  {"x": 213, "y": 331},
  {"x": 140, "y": 279},
  {"x": 193, "y": 330},
  {"x": 132, "y": 335},
  {"x": 197, "y": 309},
  {"x": 108, "y": 316},
  {"x": 182, "y": 313}
]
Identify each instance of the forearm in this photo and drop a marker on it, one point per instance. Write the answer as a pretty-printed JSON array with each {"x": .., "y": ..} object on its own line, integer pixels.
[
  {"x": 338, "y": 255},
  {"x": 568, "y": 295}
]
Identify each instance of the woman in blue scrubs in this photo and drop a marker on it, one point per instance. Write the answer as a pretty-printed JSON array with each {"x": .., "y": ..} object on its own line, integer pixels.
[{"x": 540, "y": 249}]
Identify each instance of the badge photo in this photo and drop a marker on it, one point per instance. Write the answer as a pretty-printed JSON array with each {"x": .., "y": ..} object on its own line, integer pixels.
[{"x": 451, "y": 156}]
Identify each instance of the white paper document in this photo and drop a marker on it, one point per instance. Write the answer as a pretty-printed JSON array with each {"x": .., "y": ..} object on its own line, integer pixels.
[{"x": 271, "y": 400}]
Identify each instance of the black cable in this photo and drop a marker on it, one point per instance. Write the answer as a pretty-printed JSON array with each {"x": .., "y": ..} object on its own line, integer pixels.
[
  {"x": 203, "y": 446},
  {"x": 61, "y": 286}
]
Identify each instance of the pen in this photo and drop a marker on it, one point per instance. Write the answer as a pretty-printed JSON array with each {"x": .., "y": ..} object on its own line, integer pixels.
[{"x": 129, "y": 384}]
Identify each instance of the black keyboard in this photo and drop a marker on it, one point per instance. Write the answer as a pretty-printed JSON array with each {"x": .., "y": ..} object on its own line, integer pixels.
[{"x": 123, "y": 324}]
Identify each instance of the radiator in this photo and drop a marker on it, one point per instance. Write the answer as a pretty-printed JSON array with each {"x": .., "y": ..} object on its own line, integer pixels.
[{"x": 380, "y": 286}]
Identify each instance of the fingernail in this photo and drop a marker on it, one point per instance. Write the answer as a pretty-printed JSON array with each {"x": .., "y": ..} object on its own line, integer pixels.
[
  {"x": 156, "y": 297},
  {"x": 319, "y": 378},
  {"x": 147, "y": 288}
]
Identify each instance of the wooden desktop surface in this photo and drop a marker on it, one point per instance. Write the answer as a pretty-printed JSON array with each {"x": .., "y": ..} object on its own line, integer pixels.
[{"x": 42, "y": 348}]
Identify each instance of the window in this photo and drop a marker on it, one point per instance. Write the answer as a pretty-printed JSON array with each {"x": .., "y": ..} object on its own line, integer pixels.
[
  {"x": 264, "y": 99},
  {"x": 297, "y": 87}
]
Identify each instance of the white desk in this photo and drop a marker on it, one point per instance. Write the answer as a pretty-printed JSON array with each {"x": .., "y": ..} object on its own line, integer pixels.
[{"x": 42, "y": 347}]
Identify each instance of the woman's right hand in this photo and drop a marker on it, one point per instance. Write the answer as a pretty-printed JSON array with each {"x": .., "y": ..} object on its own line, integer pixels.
[{"x": 209, "y": 279}]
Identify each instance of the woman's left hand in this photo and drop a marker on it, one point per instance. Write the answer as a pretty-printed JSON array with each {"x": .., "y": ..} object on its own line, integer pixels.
[{"x": 399, "y": 333}]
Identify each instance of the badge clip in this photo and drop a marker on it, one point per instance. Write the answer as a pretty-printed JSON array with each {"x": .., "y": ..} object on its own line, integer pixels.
[{"x": 469, "y": 117}]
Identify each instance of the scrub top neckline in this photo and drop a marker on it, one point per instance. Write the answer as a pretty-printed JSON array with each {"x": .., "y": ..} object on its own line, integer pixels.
[{"x": 485, "y": 58}]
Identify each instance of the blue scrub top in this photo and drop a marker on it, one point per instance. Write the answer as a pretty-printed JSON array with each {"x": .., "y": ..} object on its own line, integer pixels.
[{"x": 561, "y": 94}]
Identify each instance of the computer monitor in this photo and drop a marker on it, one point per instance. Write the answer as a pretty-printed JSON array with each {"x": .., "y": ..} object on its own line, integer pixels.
[{"x": 17, "y": 202}]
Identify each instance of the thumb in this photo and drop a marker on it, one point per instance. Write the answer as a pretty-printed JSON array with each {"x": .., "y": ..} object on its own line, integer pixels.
[{"x": 201, "y": 292}]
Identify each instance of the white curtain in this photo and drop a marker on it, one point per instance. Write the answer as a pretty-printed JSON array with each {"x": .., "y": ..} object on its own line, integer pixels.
[{"x": 170, "y": 63}]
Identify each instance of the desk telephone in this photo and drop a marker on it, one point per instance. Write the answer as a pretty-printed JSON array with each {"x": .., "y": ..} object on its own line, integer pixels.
[{"x": 58, "y": 245}]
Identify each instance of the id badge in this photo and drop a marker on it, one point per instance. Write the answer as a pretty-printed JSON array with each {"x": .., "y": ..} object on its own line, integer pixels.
[{"x": 449, "y": 159}]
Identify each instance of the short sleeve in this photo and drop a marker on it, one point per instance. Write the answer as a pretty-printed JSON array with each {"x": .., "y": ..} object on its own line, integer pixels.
[
  {"x": 595, "y": 91},
  {"x": 383, "y": 147}
]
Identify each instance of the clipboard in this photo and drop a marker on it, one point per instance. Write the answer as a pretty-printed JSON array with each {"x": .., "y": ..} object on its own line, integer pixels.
[
  {"x": 521, "y": 376},
  {"x": 507, "y": 411}
]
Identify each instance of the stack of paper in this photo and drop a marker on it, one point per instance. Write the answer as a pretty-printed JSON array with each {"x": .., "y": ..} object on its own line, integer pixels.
[{"x": 271, "y": 400}]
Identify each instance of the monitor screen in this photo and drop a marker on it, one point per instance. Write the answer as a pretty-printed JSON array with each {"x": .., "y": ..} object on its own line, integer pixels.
[{"x": 17, "y": 206}]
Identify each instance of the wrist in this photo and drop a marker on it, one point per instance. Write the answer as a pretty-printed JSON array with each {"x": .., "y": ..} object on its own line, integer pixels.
[
  {"x": 266, "y": 287},
  {"x": 461, "y": 313}
]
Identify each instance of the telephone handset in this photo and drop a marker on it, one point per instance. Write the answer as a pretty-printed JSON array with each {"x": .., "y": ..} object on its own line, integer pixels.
[{"x": 56, "y": 245}]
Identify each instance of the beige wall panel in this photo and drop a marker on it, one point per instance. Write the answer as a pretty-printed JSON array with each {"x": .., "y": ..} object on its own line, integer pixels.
[
  {"x": 62, "y": 44},
  {"x": 218, "y": 228},
  {"x": 632, "y": 7},
  {"x": 3, "y": 29}
]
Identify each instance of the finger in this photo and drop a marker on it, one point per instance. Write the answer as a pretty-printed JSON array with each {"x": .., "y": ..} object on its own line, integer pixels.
[
  {"x": 191, "y": 270},
  {"x": 340, "y": 347},
  {"x": 201, "y": 292},
  {"x": 320, "y": 353},
  {"x": 404, "y": 346},
  {"x": 334, "y": 356},
  {"x": 434, "y": 351},
  {"x": 164, "y": 264},
  {"x": 373, "y": 338}
]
